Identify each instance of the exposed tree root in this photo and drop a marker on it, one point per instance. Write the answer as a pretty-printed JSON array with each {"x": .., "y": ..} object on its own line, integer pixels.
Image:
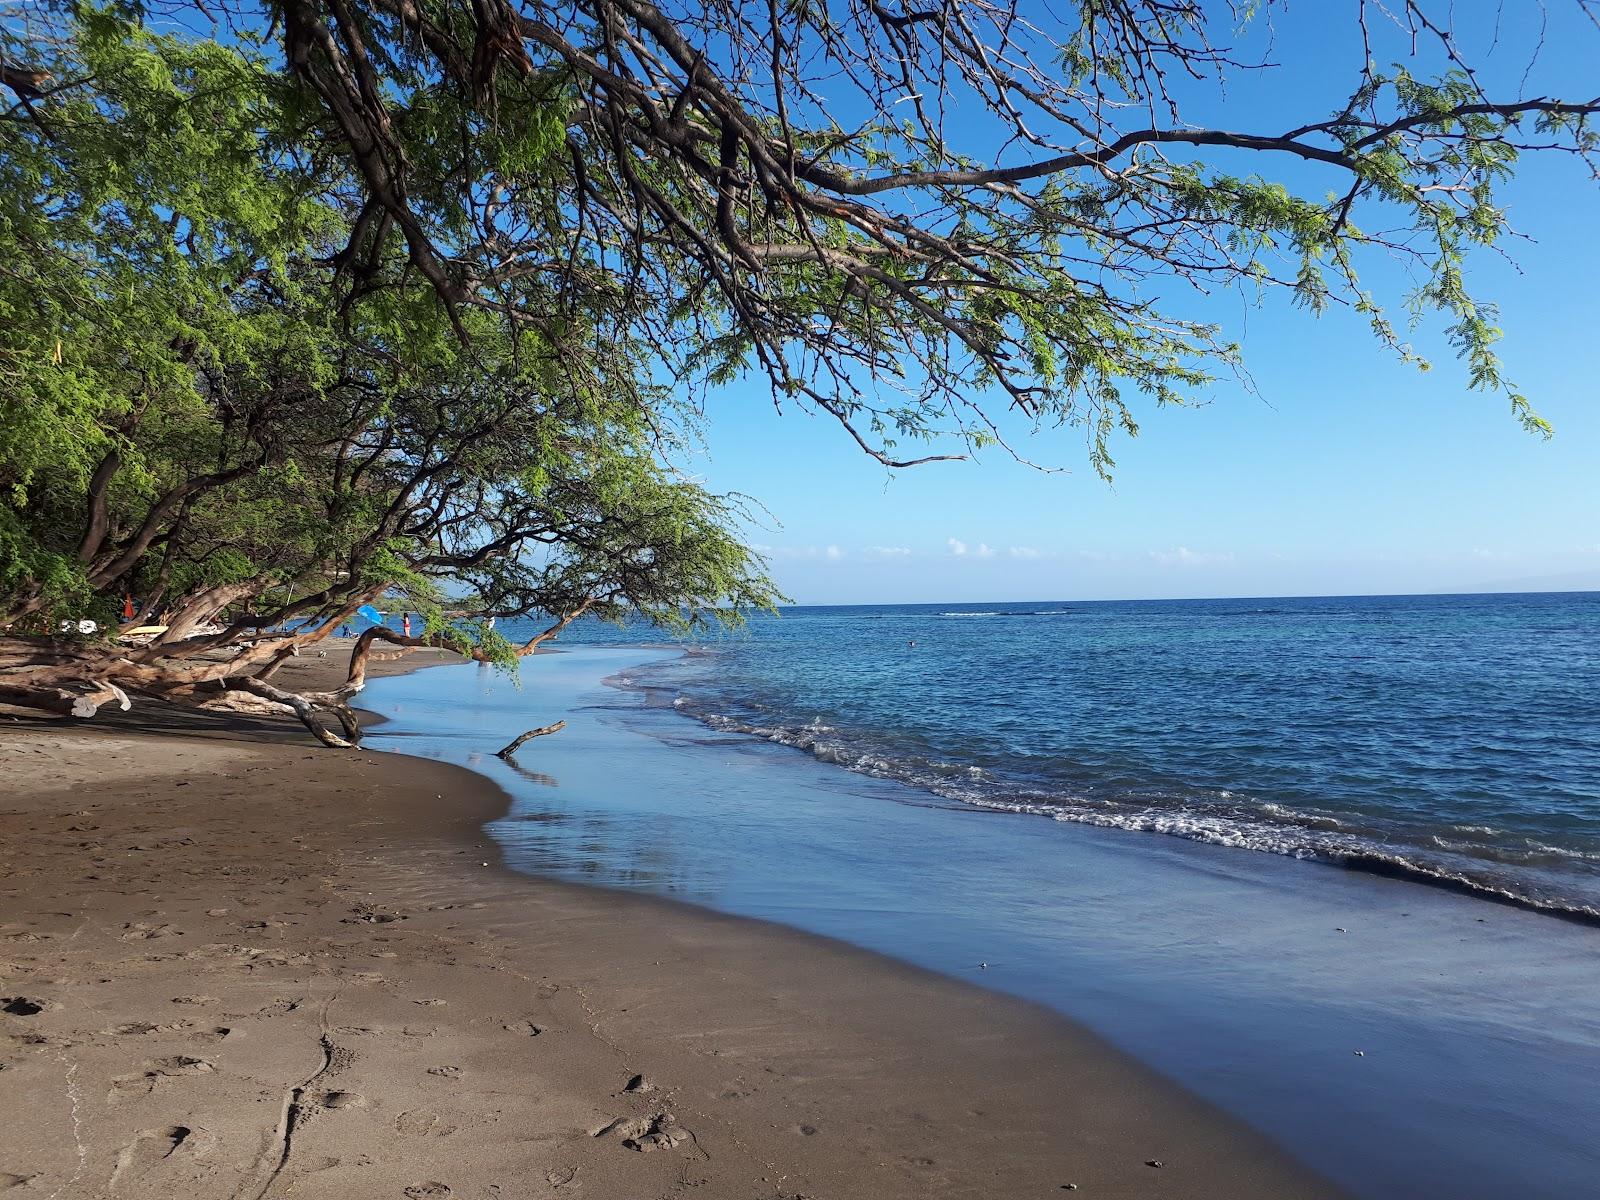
[{"x": 80, "y": 698}]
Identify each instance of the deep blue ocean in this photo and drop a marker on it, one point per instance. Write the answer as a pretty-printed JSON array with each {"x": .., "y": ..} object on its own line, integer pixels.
[{"x": 1450, "y": 739}]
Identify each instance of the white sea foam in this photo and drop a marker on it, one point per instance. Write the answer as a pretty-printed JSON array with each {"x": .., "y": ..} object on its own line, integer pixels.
[
  {"x": 1562, "y": 851},
  {"x": 1268, "y": 827},
  {"x": 1281, "y": 813}
]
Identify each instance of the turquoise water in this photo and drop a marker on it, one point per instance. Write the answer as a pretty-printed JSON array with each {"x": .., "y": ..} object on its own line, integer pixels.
[
  {"x": 901, "y": 818},
  {"x": 1452, "y": 739}
]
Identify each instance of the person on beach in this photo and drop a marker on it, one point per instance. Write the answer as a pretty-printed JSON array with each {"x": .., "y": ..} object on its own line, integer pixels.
[{"x": 405, "y": 624}]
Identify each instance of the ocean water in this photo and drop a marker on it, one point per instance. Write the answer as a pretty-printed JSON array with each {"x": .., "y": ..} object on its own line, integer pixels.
[
  {"x": 1208, "y": 762},
  {"x": 1450, "y": 739}
]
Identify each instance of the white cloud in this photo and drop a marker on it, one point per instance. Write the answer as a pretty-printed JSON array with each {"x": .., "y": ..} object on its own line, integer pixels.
[
  {"x": 833, "y": 552},
  {"x": 887, "y": 551},
  {"x": 957, "y": 547},
  {"x": 1026, "y": 552},
  {"x": 985, "y": 551},
  {"x": 1185, "y": 557}
]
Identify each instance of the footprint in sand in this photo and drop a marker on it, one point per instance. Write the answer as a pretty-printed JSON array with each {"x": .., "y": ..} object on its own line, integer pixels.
[
  {"x": 659, "y": 1131},
  {"x": 182, "y": 1064},
  {"x": 417, "y": 1122},
  {"x": 445, "y": 1072},
  {"x": 432, "y": 1190},
  {"x": 525, "y": 1028},
  {"x": 128, "y": 1087},
  {"x": 343, "y": 1100},
  {"x": 153, "y": 1147},
  {"x": 141, "y": 1028}
]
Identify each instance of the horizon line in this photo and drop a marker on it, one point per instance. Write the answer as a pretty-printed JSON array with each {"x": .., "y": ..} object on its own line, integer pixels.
[{"x": 1197, "y": 599}]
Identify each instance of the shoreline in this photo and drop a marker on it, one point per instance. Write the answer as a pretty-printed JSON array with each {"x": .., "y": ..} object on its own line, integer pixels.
[
  {"x": 1375, "y": 859},
  {"x": 413, "y": 1017},
  {"x": 1249, "y": 980}
]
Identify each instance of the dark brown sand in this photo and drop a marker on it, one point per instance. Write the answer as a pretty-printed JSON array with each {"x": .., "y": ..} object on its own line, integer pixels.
[{"x": 235, "y": 964}]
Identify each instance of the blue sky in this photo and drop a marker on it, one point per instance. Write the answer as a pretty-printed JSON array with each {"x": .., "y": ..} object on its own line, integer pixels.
[{"x": 1350, "y": 472}]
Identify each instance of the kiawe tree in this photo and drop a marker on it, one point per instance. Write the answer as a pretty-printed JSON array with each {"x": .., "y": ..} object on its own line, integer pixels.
[
  {"x": 308, "y": 303},
  {"x": 203, "y": 414},
  {"x": 915, "y": 215}
]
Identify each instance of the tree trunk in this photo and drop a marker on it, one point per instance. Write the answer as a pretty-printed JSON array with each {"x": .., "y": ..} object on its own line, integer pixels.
[{"x": 202, "y": 607}]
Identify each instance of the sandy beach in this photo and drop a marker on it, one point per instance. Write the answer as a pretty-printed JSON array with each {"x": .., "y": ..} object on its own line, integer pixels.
[{"x": 236, "y": 964}]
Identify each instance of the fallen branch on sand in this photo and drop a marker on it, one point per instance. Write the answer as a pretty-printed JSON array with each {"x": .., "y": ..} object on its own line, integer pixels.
[
  {"x": 228, "y": 670},
  {"x": 531, "y": 734}
]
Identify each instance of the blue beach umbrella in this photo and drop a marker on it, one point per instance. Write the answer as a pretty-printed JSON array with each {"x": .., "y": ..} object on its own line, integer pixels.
[{"x": 368, "y": 613}]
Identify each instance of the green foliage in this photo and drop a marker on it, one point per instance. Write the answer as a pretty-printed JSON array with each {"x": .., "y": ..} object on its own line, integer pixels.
[
  {"x": 380, "y": 297},
  {"x": 173, "y": 326}
]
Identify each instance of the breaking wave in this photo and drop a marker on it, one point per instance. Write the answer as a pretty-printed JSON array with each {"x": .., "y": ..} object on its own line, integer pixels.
[{"x": 1219, "y": 818}]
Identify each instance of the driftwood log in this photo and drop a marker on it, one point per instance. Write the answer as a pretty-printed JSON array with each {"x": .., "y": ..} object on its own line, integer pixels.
[{"x": 532, "y": 733}]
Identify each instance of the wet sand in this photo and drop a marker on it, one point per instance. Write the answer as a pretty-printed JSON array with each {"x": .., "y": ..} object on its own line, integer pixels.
[{"x": 237, "y": 964}]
